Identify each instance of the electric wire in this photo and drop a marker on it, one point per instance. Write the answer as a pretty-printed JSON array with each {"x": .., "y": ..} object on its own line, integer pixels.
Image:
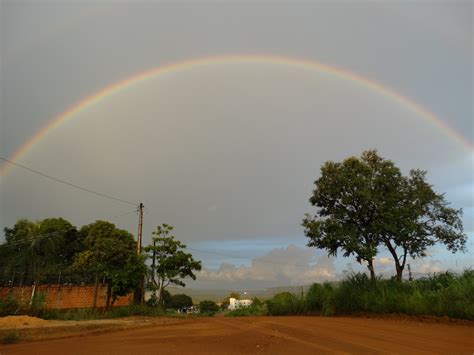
[{"x": 68, "y": 183}]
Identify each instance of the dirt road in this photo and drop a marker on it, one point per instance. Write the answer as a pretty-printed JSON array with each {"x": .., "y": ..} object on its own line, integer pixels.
[{"x": 266, "y": 335}]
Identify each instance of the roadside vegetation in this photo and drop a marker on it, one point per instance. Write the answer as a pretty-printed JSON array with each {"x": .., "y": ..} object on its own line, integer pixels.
[
  {"x": 10, "y": 337},
  {"x": 445, "y": 294}
]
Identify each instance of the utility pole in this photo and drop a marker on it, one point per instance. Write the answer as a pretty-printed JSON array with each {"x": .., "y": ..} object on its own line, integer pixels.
[
  {"x": 140, "y": 228},
  {"x": 139, "y": 295}
]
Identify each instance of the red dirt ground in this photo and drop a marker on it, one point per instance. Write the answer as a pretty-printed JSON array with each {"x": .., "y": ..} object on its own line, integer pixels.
[{"x": 266, "y": 335}]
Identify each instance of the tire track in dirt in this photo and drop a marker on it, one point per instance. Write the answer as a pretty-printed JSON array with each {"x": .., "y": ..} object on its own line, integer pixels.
[{"x": 257, "y": 327}]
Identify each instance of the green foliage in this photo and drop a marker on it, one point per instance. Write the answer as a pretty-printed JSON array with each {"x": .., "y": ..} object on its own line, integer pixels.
[
  {"x": 256, "y": 309},
  {"x": 110, "y": 253},
  {"x": 9, "y": 305},
  {"x": 32, "y": 249},
  {"x": 72, "y": 314},
  {"x": 37, "y": 304},
  {"x": 10, "y": 337},
  {"x": 319, "y": 298},
  {"x": 285, "y": 303},
  {"x": 170, "y": 263},
  {"x": 256, "y": 302},
  {"x": 235, "y": 295},
  {"x": 208, "y": 308},
  {"x": 365, "y": 203},
  {"x": 440, "y": 295},
  {"x": 135, "y": 310},
  {"x": 115, "y": 312},
  {"x": 179, "y": 301}
]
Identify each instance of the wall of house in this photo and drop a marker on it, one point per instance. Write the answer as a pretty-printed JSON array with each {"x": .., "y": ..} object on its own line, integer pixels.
[{"x": 64, "y": 296}]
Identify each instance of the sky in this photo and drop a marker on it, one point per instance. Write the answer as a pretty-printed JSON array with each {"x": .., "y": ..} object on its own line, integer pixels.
[{"x": 227, "y": 151}]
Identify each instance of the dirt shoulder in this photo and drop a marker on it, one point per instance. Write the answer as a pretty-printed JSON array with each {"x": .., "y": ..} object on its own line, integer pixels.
[{"x": 36, "y": 329}]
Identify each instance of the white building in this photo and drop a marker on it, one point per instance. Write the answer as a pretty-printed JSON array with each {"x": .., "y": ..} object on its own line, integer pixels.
[{"x": 236, "y": 304}]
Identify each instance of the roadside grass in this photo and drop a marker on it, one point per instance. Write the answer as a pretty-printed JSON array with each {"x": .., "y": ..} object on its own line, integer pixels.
[
  {"x": 251, "y": 311},
  {"x": 10, "y": 337},
  {"x": 444, "y": 294},
  {"x": 115, "y": 312}
]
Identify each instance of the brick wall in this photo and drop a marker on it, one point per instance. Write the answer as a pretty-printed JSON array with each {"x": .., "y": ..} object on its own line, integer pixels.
[{"x": 62, "y": 296}]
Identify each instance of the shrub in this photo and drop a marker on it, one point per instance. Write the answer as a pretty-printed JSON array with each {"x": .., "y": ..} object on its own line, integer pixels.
[
  {"x": 9, "y": 305},
  {"x": 37, "y": 304},
  {"x": 253, "y": 310},
  {"x": 208, "y": 308}
]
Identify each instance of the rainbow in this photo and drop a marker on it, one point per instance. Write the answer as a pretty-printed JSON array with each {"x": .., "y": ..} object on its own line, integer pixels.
[{"x": 269, "y": 59}]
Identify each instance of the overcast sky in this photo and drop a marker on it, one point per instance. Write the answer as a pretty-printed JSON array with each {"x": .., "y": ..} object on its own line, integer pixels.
[{"x": 228, "y": 152}]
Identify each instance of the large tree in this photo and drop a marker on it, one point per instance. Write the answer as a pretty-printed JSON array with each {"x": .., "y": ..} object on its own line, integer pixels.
[
  {"x": 110, "y": 253},
  {"x": 170, "y": 263},
  {"x": 365, "y": 203}
]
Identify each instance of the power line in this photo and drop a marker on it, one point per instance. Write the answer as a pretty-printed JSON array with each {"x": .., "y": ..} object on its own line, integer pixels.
[{"x": 68, "y": 183}]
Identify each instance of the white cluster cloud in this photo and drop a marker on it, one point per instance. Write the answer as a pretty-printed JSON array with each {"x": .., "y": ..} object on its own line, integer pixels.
[{"x": 292, "y": 265}]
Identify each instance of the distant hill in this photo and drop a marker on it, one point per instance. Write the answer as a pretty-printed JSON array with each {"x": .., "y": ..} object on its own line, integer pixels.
[{"x": 218, "y": 294}]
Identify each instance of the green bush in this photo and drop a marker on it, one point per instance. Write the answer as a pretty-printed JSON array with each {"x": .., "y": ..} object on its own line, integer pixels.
[
  {"x": 208, "y": 308},
  {"x": 254, "y": 310},
  {"x": 9, "y": 305},
  {"x": 37, "y": 304}
]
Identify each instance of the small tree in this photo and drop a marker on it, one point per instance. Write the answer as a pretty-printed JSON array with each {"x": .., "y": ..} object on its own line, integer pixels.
[
  {"x": 208, "y": 308},
  {"x": 180, "y": 301},
  {"x": 170, "y": 263}
]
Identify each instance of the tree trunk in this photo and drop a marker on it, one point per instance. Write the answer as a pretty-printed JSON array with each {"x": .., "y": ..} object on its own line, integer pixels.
[
  {"x": 96, "y": 291},
  {"x": 398, "y": 266},
  {"x": 109, "y": 294},
  {"x": 399, "y": 269},
  {"x": 370, "y": 266}
]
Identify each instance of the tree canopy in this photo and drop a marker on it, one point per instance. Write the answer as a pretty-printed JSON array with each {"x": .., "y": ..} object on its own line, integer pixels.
[
  {"x": 110, "y": 253},
  {"x": 179, "y": 301},
  {"x": 34, "y": 249},
  {"x": 366, "y": 203}
]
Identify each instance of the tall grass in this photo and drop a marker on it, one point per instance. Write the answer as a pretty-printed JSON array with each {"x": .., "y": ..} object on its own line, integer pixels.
[{"x": 445, "y": 294}]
